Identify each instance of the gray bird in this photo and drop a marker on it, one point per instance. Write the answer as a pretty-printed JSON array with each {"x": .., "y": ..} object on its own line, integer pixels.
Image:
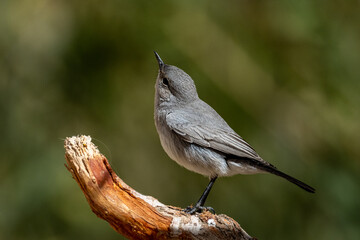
[{"x": 195, "y": 136}]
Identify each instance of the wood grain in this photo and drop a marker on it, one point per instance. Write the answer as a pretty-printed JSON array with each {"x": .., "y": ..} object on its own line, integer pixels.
[{"x": 132, "y": 214}]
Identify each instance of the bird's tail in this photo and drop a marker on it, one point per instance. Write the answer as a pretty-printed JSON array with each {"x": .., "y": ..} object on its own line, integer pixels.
[
  {"x": 291, "y": 179},
  {"x": 266, "y": 167}
]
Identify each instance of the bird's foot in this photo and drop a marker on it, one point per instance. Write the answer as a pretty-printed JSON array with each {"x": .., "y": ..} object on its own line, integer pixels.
[{"x": 191, "y": 210}]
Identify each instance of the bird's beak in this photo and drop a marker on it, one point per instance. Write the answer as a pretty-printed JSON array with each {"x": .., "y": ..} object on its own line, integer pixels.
[{"x": 160, "y": 62}]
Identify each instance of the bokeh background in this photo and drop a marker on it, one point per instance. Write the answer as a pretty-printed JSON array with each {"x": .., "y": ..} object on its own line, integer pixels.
[{"x": 284, "y": 74}]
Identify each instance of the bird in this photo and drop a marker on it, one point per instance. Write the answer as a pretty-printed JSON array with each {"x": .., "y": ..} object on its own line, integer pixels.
[{"x": 195, "y": 136}]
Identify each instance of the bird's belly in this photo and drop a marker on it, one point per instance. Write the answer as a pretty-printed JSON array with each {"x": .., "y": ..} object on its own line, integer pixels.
[{"x": 193, "y": 157}]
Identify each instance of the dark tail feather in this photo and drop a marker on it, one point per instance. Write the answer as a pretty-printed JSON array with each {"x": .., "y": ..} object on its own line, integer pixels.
[
  {"x": 291, "y": 179},
  {"x": 271, "y": 169}
]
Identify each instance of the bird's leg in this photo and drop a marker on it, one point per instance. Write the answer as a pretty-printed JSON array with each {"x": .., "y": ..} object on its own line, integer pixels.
[{"x": 199, "y": 206}]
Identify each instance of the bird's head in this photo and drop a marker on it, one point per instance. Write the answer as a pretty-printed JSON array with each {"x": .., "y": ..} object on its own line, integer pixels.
[{"x": 173, "y": 85}]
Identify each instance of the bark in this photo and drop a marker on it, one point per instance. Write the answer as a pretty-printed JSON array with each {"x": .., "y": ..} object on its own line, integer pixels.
[{"x": 132, "y": 214}]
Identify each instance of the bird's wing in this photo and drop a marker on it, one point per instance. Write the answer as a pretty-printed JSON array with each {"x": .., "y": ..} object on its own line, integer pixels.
[{"x": 220, "y": 139}]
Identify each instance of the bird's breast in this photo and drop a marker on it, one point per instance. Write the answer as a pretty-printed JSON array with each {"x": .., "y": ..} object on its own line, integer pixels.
[
  {"x": 169, "y": 141},
  {"x": 191, "y": 156}
]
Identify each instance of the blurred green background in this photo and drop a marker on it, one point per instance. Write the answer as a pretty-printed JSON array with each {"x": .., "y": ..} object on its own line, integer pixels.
[{"x": 284, "y": 74}]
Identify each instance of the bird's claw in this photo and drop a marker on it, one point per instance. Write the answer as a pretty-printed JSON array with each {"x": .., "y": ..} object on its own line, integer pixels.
[{"x": 191, "y": 210}]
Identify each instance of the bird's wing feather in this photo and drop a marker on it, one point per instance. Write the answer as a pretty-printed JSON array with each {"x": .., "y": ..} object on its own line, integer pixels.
[{"x": 222, "y": 140}]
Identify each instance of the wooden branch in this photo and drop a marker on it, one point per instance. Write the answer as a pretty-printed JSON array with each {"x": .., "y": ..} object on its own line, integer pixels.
[{"x": 132, "y": 214}]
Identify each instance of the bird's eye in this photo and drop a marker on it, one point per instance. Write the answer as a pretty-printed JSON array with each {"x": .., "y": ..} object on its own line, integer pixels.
[{"x": 165, "y": 81}]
